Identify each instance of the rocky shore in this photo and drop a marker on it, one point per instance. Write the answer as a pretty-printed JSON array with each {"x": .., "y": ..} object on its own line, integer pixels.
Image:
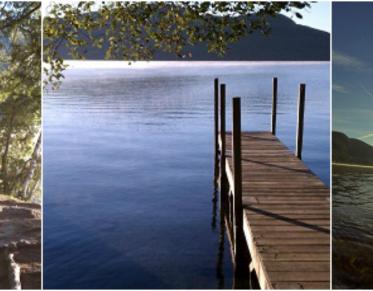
[{"x": 20, "y": 245}]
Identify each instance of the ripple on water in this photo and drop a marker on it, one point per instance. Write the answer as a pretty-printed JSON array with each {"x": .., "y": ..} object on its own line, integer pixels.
[{"x": 352, "y": 229}]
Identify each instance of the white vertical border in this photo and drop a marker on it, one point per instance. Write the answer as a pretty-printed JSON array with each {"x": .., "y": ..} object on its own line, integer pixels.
[
  {"x": 42, "y": 146},
  {"x": 331, "y": 144}
]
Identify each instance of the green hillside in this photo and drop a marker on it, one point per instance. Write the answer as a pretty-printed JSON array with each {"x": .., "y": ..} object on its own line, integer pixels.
[{"x": 351, "y": 150}]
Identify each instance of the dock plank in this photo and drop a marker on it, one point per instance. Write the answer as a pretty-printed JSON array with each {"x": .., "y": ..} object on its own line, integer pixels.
[{"x": 286, "y": 214}]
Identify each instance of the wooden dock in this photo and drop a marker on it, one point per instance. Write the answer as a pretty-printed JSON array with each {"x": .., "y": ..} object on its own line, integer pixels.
[{"x": 278, "y": 210}]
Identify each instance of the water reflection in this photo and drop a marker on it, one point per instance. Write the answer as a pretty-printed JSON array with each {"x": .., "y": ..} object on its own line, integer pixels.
[
  {"x": 214, "y": 198},
  {"x": 128, "y": 168},
  {"x": 352, "y": 228},
  {"x": 220, "y": 260},
  {"x": 242, "y": 278}
]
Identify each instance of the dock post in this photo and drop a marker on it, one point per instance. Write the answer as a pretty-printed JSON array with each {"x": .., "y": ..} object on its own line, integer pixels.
[
  {"x": 222, "y": 137},
  {"x": 216, "y": 116},
  {"x": 274, "y": 106},
  {"x": 216, "y": 130},
  {"x": 237, "y": 182},
  {"x": 300, "y": 121}
]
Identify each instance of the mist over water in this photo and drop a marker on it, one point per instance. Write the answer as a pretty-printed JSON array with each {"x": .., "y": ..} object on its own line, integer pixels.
[{"x": 128, "y": 167}]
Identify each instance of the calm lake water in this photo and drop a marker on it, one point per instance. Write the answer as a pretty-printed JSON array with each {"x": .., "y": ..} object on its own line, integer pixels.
[
  {"x": 352, "y": 228},
  {"x": 128, "y": 167}
]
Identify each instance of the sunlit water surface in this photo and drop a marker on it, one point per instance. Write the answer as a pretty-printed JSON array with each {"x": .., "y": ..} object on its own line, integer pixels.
[
  {"x": 352, "y": 228},
  {"x": 128, "y": 167}
]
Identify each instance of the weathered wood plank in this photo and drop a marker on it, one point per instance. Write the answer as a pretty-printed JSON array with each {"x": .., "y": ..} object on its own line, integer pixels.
[
  {"x": 299, "y": 276},
  {"x": 286, "y": 214},
  {"x": 292, "y": 241},
  {"x": 310, "y": 266},
  {"x": 255, "y": 216},
  {"x": 285, "y": 222},
  {"x": 308, "y": 249},
  {"x": 297, "y": 257},
  {"x": 289, "y": 200},
  {"x": 301, "y": 285},
  {"x": 290, "y": 191},
  {"x": 288, "y": 228},
  {"x": 285, "y": 211},
  {"x": 274, "y": 208}
]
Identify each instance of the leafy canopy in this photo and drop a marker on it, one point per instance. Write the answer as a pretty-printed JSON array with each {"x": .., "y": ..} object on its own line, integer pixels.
[
  {"x": 20, "y": 98},
  {"x": 134, "y": 31}
]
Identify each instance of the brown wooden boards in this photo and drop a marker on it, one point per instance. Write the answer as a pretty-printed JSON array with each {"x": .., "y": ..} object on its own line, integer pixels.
[{"x": 286, "y": 214}]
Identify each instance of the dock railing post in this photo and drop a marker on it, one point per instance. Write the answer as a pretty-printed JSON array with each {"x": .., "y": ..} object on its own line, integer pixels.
[
  {"x": 237, "y": 177},
  {"x": 300, "y": 121},
  {"x": 274, "y": 106},
  {"x": 222, "y": 137},
  {"x": 216, "y": 116}
]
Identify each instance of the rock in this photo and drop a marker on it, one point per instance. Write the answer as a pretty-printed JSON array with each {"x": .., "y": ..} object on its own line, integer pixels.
[{"x": 20, "y": 245}]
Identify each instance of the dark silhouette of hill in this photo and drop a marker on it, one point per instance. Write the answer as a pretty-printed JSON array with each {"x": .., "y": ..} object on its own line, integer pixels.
[
  {"x": 351, "y": 150},
  {"x": 287, "y": 41}
]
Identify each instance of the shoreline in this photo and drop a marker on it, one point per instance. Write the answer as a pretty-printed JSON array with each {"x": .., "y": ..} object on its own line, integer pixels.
[
  {"x": 352, "y": 165},
  {"x": 120, "y": 64}
]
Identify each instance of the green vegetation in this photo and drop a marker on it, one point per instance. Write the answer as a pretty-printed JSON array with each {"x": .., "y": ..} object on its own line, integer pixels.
[
  {"x": 20, "y": 99},
  {"x": 134, "y": 31}
]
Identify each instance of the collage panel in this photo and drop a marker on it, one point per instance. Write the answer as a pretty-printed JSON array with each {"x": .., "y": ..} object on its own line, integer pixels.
[
  {"x": 20, "y": 145},
  {"x": 187, "y": 145},
  {"x": 352, "y": 147}
]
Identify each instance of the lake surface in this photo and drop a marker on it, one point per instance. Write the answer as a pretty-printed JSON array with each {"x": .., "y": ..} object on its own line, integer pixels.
[
  {"x": 129, "y": 162},
  {"x": 352, "y": 228}
]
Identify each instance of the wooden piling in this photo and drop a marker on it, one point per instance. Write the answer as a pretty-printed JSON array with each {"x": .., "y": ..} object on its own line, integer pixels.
[
  {"x": 237, "y": 172},
  {"x": 222, "y": 137},
  {"x": 300, "y": 121},
  {"x": 216, "y": 116},
  {"x": 274, "y": 106}
]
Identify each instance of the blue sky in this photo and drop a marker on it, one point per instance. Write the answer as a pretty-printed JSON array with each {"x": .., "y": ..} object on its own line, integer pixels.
[
  {"x": 352, "y": 69},
  {"x": 317, "y": 16}
]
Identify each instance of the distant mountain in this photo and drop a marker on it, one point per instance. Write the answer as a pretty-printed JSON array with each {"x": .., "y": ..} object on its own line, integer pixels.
[
  {"x": 287, "y": 41},
  {"x": 351, "y": 150}
]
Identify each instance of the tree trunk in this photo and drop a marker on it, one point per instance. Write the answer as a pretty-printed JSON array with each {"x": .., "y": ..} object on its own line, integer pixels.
[
  {"x": 4, "y": 159},
  {"x": 33, "y": 164}
]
